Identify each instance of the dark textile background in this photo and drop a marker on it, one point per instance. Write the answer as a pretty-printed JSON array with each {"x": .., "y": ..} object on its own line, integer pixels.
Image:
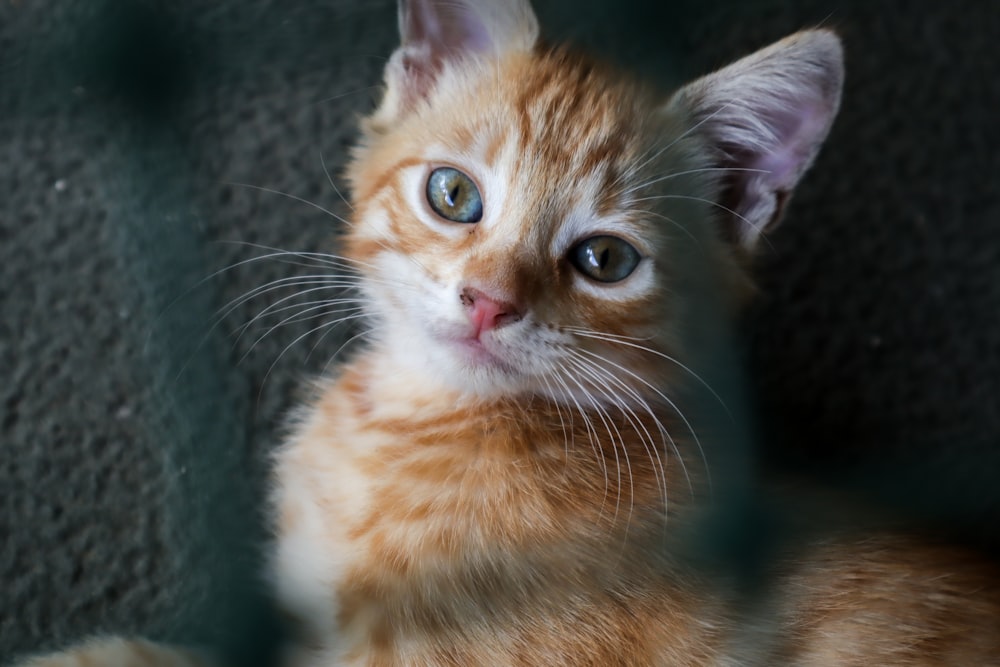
[{"x": 134, "y": 434}]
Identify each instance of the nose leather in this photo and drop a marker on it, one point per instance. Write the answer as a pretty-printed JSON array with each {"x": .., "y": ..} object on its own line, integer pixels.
[{"x": 486, "y": 312}]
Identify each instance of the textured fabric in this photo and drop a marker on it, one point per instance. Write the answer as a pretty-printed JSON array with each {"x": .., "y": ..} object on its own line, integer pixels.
[{"x": 135, "y": 432}]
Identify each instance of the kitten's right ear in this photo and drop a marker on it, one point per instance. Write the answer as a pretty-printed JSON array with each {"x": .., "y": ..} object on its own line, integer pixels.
[{"x": 438, "y": 32}]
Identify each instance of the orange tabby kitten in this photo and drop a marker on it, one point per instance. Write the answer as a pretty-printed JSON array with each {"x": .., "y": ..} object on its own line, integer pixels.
[{"x": 510, "y": 473}]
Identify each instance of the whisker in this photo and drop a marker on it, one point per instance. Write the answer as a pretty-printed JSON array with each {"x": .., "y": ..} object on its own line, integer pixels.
[
  {"x": 592, "y": 434},
  {"x": 603, "y": 375},
  {"x": 226, "y": 310},
  {"x": 357, "y": 313},
  {"x": 328, "y": 212},
  {"x": 600, "y": 376},
  {"x": 339, "y": 261},
  {"x": 274, "y": 363},
  {"x": 670, "y": 402},
  {"x": 271, "y": 255},
  {"x": 282, "y": 283},
  {"x": 679, "y": 138},
  {"x": 333, "y": 185},
  {"x": 325, "y": 281},
  {"x": 555, "y": 403},
  {"x": 665, "y": 436},
  {"x": 347, "y": 93},
  {"x": 757, "y": 228},
  {"x": 343, "y": 346},
  {"x": 621, "y": 340},
  {"x": 606, "y": 335},
  {"x": 289, "y": 195},
  {"x": 271, "y": 310},
  {"x": 688, "y": 172},
  {"x": 312, "y": 260},
  {"x": 610, "y": 426},
  {"x": 685, "y": 230},
  {"x": 300, "y": 314}
]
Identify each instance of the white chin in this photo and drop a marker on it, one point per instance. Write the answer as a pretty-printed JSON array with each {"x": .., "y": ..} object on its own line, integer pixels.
[
  {"x": 478, "y": 355},
  {"x": 472, "y": 367}
]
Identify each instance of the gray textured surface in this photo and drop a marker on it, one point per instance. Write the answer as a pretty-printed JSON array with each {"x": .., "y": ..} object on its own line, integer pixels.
[{"x": 134, "y": 434}]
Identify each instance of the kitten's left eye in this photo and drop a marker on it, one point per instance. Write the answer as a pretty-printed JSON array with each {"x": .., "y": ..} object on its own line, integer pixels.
[
  {"x": 454, "y": 196},
  {"x": 606, "y": 259}
]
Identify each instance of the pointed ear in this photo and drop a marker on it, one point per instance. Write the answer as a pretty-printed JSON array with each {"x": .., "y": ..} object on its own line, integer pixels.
[
  {"x": 765, "y": 118},
  {"x": 438, "y": 32}
]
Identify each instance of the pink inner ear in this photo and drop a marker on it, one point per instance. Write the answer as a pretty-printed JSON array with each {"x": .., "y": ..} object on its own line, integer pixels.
[
  {"x": 796, "y": 142},
  {"x": 438, "y": 33},
  {"x": 444, "y": 28},
  {"x": 794, "y": 130},
  {"x": 433, "y": 32}
]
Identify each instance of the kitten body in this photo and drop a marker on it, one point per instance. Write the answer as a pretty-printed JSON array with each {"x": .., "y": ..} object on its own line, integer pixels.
[
  {"x": 513, "y": 470},
  {"x": 482, "y": 499}
]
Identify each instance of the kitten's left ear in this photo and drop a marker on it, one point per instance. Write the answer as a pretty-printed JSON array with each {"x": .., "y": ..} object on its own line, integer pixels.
[
  {"x": 436, "y": 33},
  {"x": 765, "y": 117}
]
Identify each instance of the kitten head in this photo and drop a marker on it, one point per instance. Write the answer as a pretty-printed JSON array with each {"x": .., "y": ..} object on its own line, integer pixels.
[{"x": 533, "y": 222}]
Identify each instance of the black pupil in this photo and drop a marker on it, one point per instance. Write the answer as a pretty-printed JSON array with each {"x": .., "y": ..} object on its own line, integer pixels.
[
  {"x": 452, "y": 194},
  {"x": 602, "y": 258}
]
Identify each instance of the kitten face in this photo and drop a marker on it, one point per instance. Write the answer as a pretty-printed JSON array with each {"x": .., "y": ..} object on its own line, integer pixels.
[
  {"x": 564, "y": 249},
  {"x": 530, "y": 222}
]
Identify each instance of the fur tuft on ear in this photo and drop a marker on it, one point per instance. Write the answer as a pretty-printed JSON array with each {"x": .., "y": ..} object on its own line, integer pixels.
[
  {"x": 765, "y": 118},
  {"x": 437, "y": 32}
]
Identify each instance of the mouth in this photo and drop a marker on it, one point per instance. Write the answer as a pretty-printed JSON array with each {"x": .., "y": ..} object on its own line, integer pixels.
[{"x": 479, "y": 354}]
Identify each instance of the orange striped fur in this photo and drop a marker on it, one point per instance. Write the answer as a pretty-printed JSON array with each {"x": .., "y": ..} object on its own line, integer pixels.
[{"x": 526, "y": 494}]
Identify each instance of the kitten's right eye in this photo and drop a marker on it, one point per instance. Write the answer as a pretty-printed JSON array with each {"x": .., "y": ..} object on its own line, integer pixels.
[{"x": 454, "y": 196}]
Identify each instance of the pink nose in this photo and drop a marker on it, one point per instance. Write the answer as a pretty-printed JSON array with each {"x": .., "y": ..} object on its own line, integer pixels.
[{"x": 487, "y": 313}]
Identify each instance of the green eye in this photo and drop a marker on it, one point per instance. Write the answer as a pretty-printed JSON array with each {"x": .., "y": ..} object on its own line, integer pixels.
[
  {"x": 454, "y": 196},
  {"x": 606, "y": 259}
]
